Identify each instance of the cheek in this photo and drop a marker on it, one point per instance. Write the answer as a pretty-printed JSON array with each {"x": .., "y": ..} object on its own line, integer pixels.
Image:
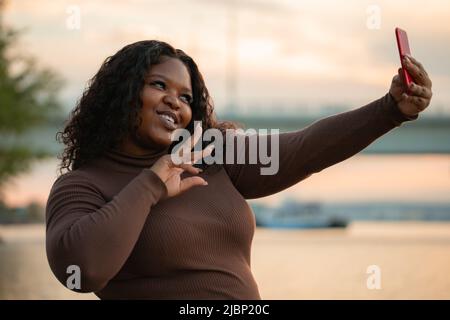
[{"x": 149, "y": 99}]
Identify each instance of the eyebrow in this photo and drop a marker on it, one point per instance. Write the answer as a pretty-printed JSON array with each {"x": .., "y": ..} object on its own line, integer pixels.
[{"x": 167, "y": 79}]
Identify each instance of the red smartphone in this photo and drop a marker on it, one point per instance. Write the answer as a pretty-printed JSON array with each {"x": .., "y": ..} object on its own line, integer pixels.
[{"x": 403, "y": 48}]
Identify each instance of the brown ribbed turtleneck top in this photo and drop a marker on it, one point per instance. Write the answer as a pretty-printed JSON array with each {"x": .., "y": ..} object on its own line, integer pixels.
[{"x": 108, "y": 218}]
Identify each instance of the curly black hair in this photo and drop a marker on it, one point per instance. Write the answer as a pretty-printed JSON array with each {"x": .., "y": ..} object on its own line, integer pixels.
[{"x": 110, "y": 105}]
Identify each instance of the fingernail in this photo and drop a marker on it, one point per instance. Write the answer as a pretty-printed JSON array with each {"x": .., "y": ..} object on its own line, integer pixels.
[
  {"x": 205, "y": 183},
  {"x": 199, "y": 170}
]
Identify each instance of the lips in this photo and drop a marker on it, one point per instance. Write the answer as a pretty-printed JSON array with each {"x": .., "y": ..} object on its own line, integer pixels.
[
  {"x": 167, "y": 121},
  {"x": 169, "y": 114}
]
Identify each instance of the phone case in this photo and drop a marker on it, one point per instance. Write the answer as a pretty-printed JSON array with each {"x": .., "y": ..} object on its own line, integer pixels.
[{"x": 403, "y": 48}]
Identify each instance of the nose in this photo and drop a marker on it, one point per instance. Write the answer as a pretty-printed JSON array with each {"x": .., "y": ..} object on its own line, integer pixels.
[{"x": 171, "y": 101}]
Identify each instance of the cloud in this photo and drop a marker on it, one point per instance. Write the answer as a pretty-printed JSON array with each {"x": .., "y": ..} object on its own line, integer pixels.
[{"x": 318, "y": 45}]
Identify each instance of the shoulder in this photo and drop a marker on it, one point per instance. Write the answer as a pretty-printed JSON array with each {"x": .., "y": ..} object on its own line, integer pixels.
[
  {"x": 76, "y": 179},
  {"x": 72, "y": 189},
  {"x": 72, "y": 176}
]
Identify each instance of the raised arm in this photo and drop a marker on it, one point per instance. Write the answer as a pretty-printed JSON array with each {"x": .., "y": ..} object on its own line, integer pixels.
[
  {"x": 316, "y": 147},
  {"x": 97, "y": 236},
  {"x": 336, "y": 138}
]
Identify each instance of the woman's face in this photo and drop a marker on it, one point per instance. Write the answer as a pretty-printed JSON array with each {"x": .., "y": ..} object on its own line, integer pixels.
[{"x": 166, "y": 98}]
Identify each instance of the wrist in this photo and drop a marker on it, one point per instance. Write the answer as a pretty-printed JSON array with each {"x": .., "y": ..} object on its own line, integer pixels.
[{"x": 395, "y": 112}]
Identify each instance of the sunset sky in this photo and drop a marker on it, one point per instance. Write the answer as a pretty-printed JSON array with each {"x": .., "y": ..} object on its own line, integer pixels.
[
  {"x": 290, "y": 55},
  {"x": 293, "y": 56}
]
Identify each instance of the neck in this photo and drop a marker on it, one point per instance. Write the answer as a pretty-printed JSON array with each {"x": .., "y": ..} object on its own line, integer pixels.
[{"x": 135, "y": 149}]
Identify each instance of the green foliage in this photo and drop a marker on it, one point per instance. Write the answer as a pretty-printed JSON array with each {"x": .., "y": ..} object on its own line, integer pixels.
[{"x": 28, "y": 99}]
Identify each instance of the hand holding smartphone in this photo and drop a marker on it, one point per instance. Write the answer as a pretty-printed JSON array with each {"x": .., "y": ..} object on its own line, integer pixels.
[
  {"x": 403, "y": 49},
  {"x": 411, "y": 88}
]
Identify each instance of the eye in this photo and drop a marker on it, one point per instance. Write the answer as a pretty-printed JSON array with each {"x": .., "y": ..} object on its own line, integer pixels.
[
  {"x": 159, "y": 83},
  {"x": 187, "y": 99}
]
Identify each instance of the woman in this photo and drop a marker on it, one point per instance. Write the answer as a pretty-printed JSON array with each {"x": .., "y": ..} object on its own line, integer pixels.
[{"x": 138, "y": 225}]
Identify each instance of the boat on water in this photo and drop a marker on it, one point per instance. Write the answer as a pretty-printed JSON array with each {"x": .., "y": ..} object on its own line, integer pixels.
[{"x": 293, "y": 214}]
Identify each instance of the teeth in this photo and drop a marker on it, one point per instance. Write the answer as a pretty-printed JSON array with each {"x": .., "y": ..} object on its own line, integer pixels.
[{"x": 168, "y": 118}]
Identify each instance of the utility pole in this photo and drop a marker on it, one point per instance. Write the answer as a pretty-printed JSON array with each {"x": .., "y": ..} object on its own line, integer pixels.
[
  {"x": 232, "y": 9},
  {"x": 232, "y": 58}
]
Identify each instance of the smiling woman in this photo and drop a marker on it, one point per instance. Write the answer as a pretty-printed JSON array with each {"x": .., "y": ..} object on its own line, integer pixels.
[
  {"x": 165, "y": 107},
  {"x": 136, "y": 224},
  {"x": 126, "y": 98}
]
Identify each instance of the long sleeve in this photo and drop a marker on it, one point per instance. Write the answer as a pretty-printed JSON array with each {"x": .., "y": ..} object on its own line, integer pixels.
[
  {"x": 97, "y": 236},
  {"x": 304, "y": 152}
]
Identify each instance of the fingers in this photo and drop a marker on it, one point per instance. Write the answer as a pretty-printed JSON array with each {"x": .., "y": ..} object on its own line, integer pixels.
[
  {"x": 192, "y": 141},
  {"x": 190, "y": 182},
  {"x": 417, "y": 71},
  {"x": 175, "y": 165},
  {"x": 183, "y": 155},
  {"x": 189, "y": 168},
  {"x": 419, "y": 102},
  {"x": 397, "y": 80},
  {"x": 197, "y": 134},
  {"x": 420, "y": 91},
  {"x": 417, "y": 63},
  {"x": 418, "y": 95},
  {"x": 197, "y": 155},
  {"x": 400, "y": 78},
  {"x": 178, "y": 170},
  {"x": 192, "y": 157}
]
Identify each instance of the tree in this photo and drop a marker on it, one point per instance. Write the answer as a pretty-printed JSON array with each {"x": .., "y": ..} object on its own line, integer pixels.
[{"x": 28, "y": 99}]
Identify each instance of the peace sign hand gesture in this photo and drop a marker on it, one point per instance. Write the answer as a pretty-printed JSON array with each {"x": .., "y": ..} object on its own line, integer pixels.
[{"x": 170, "y": 171}]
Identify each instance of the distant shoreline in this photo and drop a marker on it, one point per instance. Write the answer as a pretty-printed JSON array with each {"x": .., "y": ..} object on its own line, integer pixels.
[
  {"x": 18, "y": 233},
  {"x": 29, "y": 232}
]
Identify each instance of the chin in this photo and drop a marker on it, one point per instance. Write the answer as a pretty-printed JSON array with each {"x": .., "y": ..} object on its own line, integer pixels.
[
  {"x": 158, "y": 143},
  {"x": 162, "y": 140}
]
